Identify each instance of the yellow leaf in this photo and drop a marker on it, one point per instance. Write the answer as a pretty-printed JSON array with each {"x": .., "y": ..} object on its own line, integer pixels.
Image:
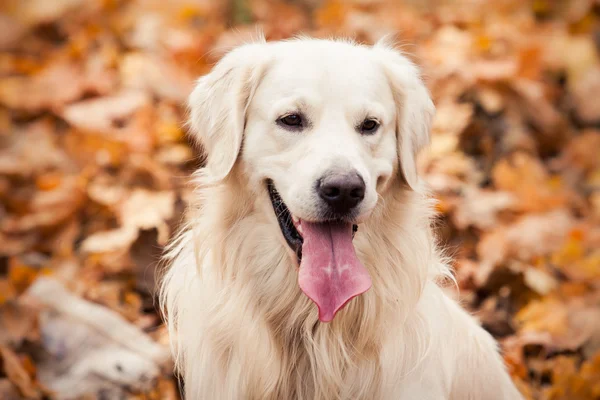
[
  {"x": 549, "y": 315},
  {"x": 571, "y": 251},
  {"x": 169, "y": 132}
]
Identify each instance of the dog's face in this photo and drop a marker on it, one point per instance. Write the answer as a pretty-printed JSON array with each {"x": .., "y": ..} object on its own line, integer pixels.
[{"x": 321, "y": 129}]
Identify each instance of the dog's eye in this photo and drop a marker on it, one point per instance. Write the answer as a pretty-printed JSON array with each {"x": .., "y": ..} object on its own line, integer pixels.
[
  {"x": 369, "y": 126},
  {"x": 291, "y": 120}
]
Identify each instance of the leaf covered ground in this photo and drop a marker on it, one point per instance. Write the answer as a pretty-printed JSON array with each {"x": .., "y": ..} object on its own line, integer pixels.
[{"x": 94, "y": 160}]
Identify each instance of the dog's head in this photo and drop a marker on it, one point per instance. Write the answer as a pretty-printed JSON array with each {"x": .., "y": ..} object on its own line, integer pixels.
[{"x": 319, "y": 128}]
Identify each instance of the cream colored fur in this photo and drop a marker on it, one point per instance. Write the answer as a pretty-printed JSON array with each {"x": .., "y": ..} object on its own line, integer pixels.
[{"x": 240, "y": 326}]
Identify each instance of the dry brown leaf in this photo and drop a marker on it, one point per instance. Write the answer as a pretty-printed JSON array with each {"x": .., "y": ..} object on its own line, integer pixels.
[
  {"x": 63, "y": 240},
  {"x": 536, "y": 106},
  {"x": 513, "y": 347},
  {"x": 585, "y": 92},
  {"x": 8, "y": 391},
  {"x": 48, "y": 208},
  {"x": 539, "y": 234},
  {"x": 491, "y": 100},
  {"x": 175, "y": 155},
  {"x": 493, "y": 70},
  {"x": 12, "y": 245},
  {"x": 595, "y": 202},
  {"x": 50, "y": 89},
  {"x": 149, "y": 73},
  {"x": 110, "y": 241},
  {"x": 449, "y": 50},
  {"x": 576, "y": 263},
  {"x": 584, "y": 321},
  {"x": 583, "y": 57},
  {"x": 105, "y": 191},
  {"x": 117, "y": 296},
  {"x": 533, "y": 235},
  {"x": 527, "y": 178},
  {"x": 573, "y": 383},
  {"x": 573, "y": 324},
  {"x": 33, "y": 12},
  {"x": 7, "y": 291},
  {"x": 17, "y": 374},
  {"x": 480, "y": 208},
  {"x": 148, "y": 167},
  {"x": 449, "y": 172},
  {"x": 11, "y": 31},
  {"x": 106, "y": 114},
  {"x": 547, "y": 315},
  {"x": 19, "y": 157},
  {"x": 279, "y": 19},
  {"x": 539, "y": 280},
  {"x": 17, "y": 322},
  {"x": 582, "y": 152},
  {"x": 442, "y": 145},
  {"x": 140, "y": 210},
  {"x": 451, "y": 118},
  {"x": 146, "y": 210}
]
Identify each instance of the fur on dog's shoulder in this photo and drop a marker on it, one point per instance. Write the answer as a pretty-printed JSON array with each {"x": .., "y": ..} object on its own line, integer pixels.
[{"x": 307, "y": 141}]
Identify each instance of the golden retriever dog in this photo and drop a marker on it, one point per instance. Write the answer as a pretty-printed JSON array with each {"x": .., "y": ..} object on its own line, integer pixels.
[{"x": 307, "y": 268}]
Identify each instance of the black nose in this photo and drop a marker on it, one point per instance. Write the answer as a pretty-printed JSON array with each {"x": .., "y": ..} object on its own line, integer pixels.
[{"x": 341, "y": 192}]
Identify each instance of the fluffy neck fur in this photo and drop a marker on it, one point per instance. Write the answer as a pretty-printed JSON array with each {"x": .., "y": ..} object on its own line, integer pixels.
[{"x": 241, "y": 327}]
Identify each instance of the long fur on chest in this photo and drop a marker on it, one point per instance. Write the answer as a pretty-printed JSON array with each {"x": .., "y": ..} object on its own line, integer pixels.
[{"x": 243, "y": 329}]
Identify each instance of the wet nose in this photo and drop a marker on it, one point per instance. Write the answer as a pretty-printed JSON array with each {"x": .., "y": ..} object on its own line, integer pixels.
[{"x": 341, "y": 192}]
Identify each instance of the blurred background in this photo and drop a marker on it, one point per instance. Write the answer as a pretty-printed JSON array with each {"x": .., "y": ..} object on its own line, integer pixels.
[{"x": 94, "y": 165}]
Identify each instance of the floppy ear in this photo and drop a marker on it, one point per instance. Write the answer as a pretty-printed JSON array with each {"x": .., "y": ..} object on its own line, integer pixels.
[
  {"x": 218, "y": 106},
  {"x": 415, "y": 110}
]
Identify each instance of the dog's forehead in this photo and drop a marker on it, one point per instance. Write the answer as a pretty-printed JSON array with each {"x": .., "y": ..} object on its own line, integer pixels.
[{"x": 327, "y": 66}]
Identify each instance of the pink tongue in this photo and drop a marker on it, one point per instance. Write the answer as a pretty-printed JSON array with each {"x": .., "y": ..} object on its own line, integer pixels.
[{"x": 330, "y": 273}]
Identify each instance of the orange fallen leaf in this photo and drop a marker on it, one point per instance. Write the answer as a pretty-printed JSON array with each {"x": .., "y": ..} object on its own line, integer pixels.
[
  {"x": 20, "y": 275},
  {"x": 527, "y": 178},
  {"x": 546, "y": 315}
]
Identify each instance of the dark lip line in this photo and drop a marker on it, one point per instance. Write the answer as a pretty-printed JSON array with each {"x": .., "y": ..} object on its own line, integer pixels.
[
  {"x": 286, "y": 225},
  {"x": 284, "y": 219}
]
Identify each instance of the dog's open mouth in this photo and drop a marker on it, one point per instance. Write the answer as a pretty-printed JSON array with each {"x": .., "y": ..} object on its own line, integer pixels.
[{"x": 330, "y": 272}]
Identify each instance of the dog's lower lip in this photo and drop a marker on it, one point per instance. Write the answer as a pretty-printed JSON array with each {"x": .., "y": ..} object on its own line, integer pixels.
[{"x": 286, "y": 221}]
